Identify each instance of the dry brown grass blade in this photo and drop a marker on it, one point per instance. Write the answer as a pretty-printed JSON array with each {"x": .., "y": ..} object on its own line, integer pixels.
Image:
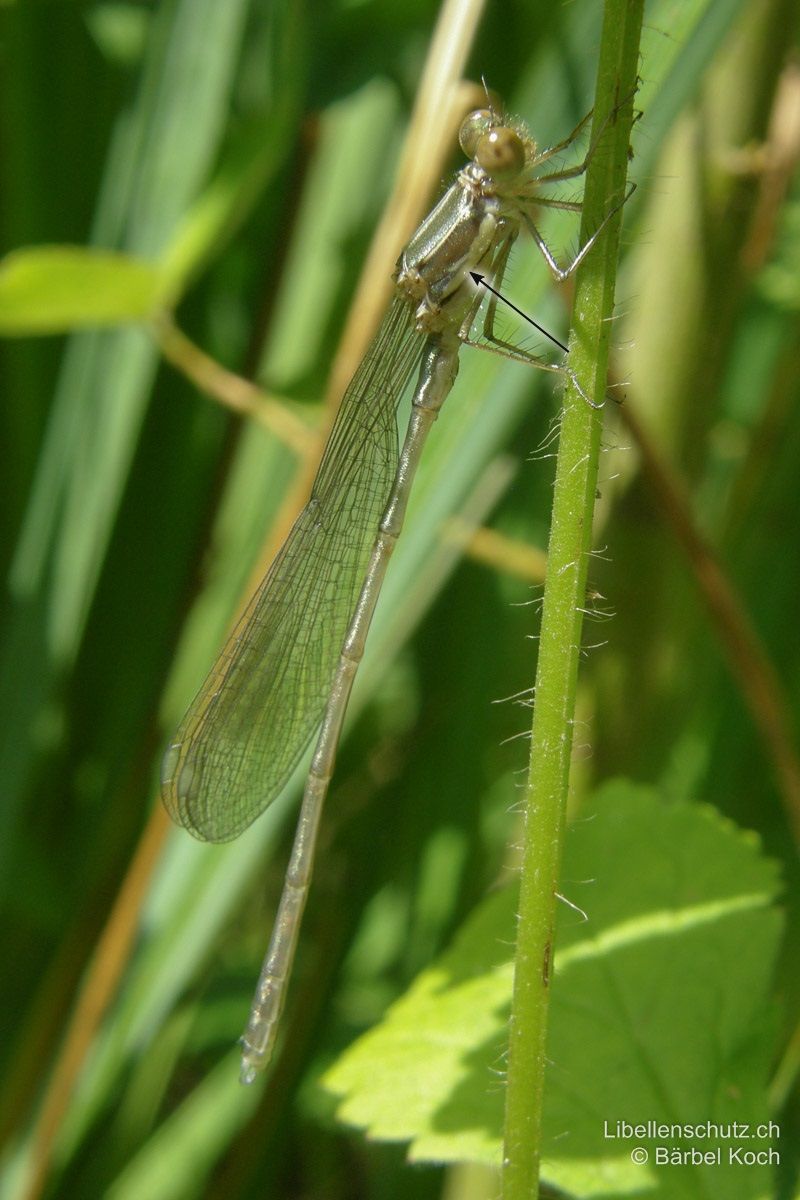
[{"x": 747, "y": 659}]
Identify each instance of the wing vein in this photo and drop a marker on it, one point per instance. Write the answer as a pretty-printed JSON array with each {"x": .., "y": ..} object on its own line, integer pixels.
[{"x": 256, "y": 711}]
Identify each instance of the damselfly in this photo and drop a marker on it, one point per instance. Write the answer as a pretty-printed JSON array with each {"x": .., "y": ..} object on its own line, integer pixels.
[{"x": 289, "y": 665}]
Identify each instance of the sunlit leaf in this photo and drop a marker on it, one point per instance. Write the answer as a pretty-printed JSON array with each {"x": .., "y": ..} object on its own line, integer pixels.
[{"x": 659, "y": 1011}]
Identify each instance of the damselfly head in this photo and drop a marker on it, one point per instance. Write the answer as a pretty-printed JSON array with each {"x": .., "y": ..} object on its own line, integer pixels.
[{"x": 501, "y": 149}]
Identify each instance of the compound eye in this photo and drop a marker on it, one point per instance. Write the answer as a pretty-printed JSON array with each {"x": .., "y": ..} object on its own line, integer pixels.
[
  {"x": 501, "y": 153},
  {"x": 474, "y": 126}
]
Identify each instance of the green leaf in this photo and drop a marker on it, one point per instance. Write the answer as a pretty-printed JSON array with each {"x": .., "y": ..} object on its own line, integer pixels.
[
  {"x": 54, "y": 289},
  {"x": 659, "y": 1010}
]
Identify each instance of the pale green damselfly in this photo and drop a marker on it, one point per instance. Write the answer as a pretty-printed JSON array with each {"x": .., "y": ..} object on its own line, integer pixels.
[{"x": 289, "y": 665}]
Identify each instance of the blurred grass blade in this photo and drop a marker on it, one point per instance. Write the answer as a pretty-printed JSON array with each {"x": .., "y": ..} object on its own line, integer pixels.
[
  {"x": 176, "y": 1161},
  {"x": 161, "y": 155}
]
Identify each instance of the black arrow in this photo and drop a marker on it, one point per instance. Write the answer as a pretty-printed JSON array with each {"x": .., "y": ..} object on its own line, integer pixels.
[{"x": 480, "y": 279}]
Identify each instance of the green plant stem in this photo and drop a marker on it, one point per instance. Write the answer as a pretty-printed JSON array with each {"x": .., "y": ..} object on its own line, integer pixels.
[{"x": 564, "y": 601}]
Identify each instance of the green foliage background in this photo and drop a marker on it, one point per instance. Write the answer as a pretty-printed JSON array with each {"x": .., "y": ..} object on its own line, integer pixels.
[{"x": 245, "y": 151}]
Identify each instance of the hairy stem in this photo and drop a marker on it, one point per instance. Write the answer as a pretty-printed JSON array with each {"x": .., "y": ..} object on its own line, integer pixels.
[{"x": 564, "y": 600}]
